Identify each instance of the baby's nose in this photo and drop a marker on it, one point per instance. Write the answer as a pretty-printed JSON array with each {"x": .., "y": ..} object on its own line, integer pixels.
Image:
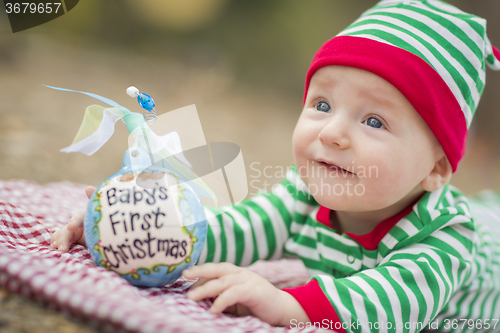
[{"x": 335, "y": 132}]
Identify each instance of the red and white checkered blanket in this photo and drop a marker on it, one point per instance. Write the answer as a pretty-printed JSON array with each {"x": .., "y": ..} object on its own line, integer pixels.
[{"x": 71, "y": 282}]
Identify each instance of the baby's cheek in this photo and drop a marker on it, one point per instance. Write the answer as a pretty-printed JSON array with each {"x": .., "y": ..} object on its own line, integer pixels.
[
  {"x": 378, "y": 194},
  {"x": 298, "y": 149},
  {"x": 385, "y": 186}
]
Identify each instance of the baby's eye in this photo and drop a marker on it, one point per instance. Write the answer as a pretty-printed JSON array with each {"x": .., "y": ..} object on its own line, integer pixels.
[
  {"x": 373, "y": 122},
  {"x": 323, "y": 106}
]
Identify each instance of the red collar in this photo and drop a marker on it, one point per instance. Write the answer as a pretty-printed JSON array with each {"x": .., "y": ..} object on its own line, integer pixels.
[{"x": 370, "y": 240}]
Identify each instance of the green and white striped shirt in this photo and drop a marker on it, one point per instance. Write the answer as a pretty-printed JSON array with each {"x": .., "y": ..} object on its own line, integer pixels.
[{"x": 435, "y": 268}]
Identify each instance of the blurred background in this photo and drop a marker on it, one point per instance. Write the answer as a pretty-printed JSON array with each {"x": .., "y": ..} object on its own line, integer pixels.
[{"x": 243, "y": 64}]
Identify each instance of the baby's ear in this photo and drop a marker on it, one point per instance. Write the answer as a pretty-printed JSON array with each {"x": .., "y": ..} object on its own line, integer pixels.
[{"x": 439, "y": 175}]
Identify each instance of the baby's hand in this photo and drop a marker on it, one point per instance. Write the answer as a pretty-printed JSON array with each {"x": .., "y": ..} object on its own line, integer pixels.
[
  {"x": 242, "y": 292},
  {"x": 73, "y": 231}
]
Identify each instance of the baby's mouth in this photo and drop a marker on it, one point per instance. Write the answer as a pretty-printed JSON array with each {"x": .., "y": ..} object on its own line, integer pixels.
[{"x": 332, "y": 166}]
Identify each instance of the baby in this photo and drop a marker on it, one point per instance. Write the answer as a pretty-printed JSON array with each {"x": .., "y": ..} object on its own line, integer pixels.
[{"x": 390, "y": 245}]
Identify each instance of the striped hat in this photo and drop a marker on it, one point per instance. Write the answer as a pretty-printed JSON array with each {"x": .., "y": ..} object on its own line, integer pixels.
[{"x": 432, "y": 52}]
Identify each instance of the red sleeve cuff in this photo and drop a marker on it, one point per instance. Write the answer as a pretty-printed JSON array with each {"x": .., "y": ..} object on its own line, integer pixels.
[{"x": 316, "y": 305}]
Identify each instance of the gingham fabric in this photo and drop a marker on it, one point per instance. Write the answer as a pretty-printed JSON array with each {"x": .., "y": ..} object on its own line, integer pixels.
[
  {"x": 435, "y": 54},
  {"x": 71, "y": 282}
]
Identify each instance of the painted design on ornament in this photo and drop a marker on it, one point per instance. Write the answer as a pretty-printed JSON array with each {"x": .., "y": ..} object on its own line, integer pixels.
[{"x": 144, "y": 223}]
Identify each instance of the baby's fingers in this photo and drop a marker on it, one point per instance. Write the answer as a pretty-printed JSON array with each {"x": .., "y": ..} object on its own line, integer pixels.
[
  {"x": 213, "y": 287},
  {"x": 61, "y": 239},
  {"x": 89, "y": 191},
  {"x": 76, "y": 236},
  {"x": 76, "y": 222},
  {"x": 237, "y": 294},
  {"x": 210, "y": 271},
  {"x": 200, "y": 282}
]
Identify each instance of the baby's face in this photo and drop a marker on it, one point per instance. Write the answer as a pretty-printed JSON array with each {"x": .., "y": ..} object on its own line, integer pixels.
[{"x": 356, "y": 121}]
